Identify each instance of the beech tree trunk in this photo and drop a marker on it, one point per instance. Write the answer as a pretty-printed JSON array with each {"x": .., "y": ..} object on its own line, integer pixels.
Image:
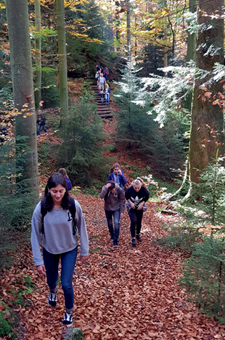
[
  {"x": 22, "y": 81},
  {"x": 128, "y": 32},
  {"x": 191, "y": 43},
  {"x": 63, "y": 87},
  {"x": 207, "y": 119},
  {"x": 38, "y": 71}
]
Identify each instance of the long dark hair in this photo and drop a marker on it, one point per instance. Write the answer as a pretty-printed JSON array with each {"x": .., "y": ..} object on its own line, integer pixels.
[{"x": 54, "y": 180}]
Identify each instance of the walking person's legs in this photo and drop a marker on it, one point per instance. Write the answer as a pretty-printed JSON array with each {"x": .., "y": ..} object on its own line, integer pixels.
[
  {"x": 68, "y": 261},
  {"x": 139, "y": 215},
  {"x": 133, "y": 221},
  {"x": 39, "y": 130},
  {"x": 51, "y": 262},
  {"x": 116, "y": 217},
  {"x": 108, "y": 215}
]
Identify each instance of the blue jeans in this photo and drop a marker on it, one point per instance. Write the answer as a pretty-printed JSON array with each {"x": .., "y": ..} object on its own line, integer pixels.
[
  {"x": 116, "y": 216},
  {"x": 68, "y": 261},
  {"x": 107, "y": 97},
  {"x": 39, "y": 129}
]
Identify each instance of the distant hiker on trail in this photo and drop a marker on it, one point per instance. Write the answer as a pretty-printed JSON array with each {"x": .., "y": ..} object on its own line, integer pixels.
[
  {"x": 105, "y": 72},
  {"x": 107, "y": 93},
  {"x": 64, "y": 173},
  {"x": 56, "y": 221},
  {"x": 101, "y": 82},
  {"x": 102, "y": 95},
  {"x": 114, "y": 207},
  {"x": 41, "y": 122},
  {"x": 116, "y": 175},
  {"x": 136, "y": 195},
  {"x": 97, "y": 68}
]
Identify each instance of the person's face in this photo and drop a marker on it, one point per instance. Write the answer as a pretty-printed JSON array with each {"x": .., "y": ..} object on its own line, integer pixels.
[
  {"x": 116, "y": 170},
  {"x": 57, "y": 193},
  {"x": 137, "y": 187},
  {"x": 112, "y": 191}
]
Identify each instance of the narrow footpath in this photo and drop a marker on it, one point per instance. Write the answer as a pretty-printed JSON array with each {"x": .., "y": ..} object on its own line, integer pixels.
[{"x": 122, "y": 293}]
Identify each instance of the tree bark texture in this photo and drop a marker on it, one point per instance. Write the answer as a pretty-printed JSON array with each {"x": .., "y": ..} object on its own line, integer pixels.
[
  {"x": 38, "y": 71},
  {"x": 191, "y": 43},
  {"x": 63, "y": 88},
  {"x": 22, "y": 81},
  {"x": 128, "y": 31},
  {"x": 207, "y": 119}
]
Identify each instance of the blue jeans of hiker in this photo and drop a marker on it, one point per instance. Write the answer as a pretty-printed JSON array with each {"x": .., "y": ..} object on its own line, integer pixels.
[
  {"x": 116, "y": 216},
  {"x": 68, "y": 261},
  {"x": 135, "y": 220},
  {"x": 39, "y": 129},
  {"x": 107, "y": 96}
]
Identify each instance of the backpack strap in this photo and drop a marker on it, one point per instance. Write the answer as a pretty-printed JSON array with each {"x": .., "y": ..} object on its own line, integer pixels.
[{"x": 72, "y": 210}]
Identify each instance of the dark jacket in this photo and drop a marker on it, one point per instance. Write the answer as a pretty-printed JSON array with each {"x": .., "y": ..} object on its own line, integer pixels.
[
  {"x": 137, "y": 197},
  {"x": 118, "y": 179}
]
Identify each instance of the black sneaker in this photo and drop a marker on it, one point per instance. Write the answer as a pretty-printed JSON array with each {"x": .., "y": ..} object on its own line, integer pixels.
[
  {"x": 115, "y": 244},
  {"x": 133, "y": 242},
  {"x": 52, "y": 299},
  {"x": 138, "y": 238},
  {"x": 68, "y": 319}
]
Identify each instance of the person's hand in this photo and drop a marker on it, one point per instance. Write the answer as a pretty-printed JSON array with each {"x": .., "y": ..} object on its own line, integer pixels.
[
  {"x": 120, "y": 172},
  {"x": 83, "y": 259},
  {"x": 140, "y": 207},
  {"x": 108, "y": 185},
  {"x": 132, "y": 205},
  {"x": 41, "y": 270},
  {"x": 121, "y": 216}
]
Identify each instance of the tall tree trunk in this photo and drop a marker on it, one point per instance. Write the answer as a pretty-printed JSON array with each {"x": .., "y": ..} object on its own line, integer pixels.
[
  {"x": 165, "y": 52},
  {"x": 190, "y": 52},
  {"x": 207, "y": 119},
  {"x": 63, "y": 87},
  {"x": 38, "y": 71},
  {"x": 128, "y": 32},
  {"x": 22, "y": 81}
]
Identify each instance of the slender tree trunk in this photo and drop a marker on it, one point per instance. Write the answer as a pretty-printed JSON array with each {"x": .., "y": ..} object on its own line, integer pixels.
[
  {"x": 22, "y": 81},
  {"x": 38, "y": 71},
  {"x": 63, "y": 88},
  {"x": 207, "y": 119},
  {"x": 165, "y": 52},
  {"x": 191, "y": 43},
  {"x": 128, "y": 32}
]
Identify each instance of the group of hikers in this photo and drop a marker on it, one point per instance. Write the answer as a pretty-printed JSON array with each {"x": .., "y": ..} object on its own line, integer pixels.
[
  {"x": 58, "y": 219},
  {"x": 103, "y": 86}
]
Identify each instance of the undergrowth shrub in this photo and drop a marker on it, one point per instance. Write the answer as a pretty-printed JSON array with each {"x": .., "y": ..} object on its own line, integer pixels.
[
  {"x": 181, "y": 237},
  {"x": 204, "y": 277},
  {"x": 138, "y": 129},
  {"x": 81, "y": 149},
  {"x": 16, "y": 200}
]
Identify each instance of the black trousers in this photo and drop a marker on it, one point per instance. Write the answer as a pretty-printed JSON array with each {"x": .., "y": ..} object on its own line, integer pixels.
[{"x": 135, "y": 220}]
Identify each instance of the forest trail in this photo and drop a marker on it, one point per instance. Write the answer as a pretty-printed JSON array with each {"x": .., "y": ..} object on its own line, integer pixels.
[
  {"x": 103, "y": 110},
  {"x": 122, "y": 293}
]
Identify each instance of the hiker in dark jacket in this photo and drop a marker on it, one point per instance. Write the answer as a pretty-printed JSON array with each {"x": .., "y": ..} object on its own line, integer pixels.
[
  {"x": 64, "y": 173},
  {"x": 59, "y": 238},
  {"x": 116, "y": 175},
  {"x": 137, "y": 195},
  {"x": 41, "y": 122},
  {"x": 114, "y": 207}
]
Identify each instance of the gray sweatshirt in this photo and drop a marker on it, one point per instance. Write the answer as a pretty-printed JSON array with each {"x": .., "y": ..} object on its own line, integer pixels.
[
  {"x": 58, "y": 235},
  {"x": 113, "y": 201}
]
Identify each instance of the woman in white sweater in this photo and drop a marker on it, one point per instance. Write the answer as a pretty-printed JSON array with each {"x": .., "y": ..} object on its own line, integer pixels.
[{"x": 56, "y": 221}]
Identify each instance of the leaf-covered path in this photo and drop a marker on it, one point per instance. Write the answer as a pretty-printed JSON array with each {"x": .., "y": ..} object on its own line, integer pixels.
[{"x": 123, "y": 293}]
